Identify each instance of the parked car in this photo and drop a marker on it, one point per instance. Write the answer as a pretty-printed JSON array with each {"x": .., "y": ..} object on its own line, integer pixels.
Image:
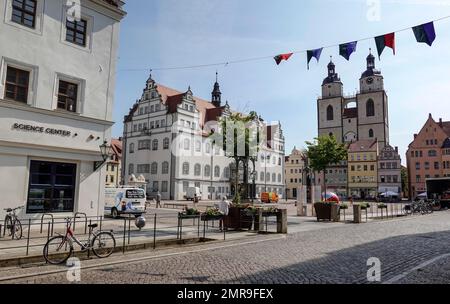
[{"x": 124, "y": 200}]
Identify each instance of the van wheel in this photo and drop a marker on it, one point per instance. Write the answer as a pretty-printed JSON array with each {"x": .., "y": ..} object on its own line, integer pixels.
[{"x": 114, "y": 213}]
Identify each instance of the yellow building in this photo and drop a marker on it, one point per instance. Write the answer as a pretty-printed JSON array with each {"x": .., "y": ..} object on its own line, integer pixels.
[
  {"x": 113, "y": 166},
  {"x": 363, "y": 169},
  {"x": 294, "y": 166}
]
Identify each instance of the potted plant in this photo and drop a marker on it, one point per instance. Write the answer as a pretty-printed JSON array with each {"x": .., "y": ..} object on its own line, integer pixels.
[
  {"x": 383, "y": 206},
  {"x": 327, "y": 211},
  {"x": 270, "y": 212},
  {"x": 212, "y": 214}
]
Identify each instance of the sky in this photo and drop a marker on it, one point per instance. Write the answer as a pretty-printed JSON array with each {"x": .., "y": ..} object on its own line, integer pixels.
[{"x": 173, "y": 33}]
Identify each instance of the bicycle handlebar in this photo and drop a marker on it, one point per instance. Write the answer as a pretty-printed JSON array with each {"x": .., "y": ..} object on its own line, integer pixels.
[{"x": 14, "y": 209}]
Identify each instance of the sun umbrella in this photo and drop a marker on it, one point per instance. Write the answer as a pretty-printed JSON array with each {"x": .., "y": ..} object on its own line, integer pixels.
[{"x": 330, "y": 197}]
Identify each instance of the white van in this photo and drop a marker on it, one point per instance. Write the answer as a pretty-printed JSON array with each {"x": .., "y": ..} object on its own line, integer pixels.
[
  {"x": 124, "y": 200},
  {"x": 191, "y": 192}
]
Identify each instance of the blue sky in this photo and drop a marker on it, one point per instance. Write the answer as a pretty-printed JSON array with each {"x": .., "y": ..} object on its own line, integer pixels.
[{"x": 168, "y": 33}]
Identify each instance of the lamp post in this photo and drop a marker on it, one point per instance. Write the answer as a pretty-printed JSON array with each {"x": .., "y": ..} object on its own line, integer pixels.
[{"x": 106, "y": 151}]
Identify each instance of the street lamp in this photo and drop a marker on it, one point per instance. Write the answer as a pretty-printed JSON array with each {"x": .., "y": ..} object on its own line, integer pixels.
[{"x": 106, "y": 151}]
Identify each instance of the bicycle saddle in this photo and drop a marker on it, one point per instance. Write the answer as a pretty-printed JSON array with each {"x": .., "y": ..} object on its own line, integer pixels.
[
  {"x": 93, "y": 226},
  {"x": 8, "y": 210}
]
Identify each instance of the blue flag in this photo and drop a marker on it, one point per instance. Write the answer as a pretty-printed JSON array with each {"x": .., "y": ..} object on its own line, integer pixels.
[
  {"x": 314, "y": 53},
  {"x": 346, "y": 49}
]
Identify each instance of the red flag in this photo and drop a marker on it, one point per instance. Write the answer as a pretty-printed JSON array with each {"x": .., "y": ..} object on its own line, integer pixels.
[
  {"x": 389, "y": 41},
  {"x": 282, "y": 57}
]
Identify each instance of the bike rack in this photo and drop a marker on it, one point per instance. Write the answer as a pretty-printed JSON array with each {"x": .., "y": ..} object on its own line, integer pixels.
[
  {"x": 53, "y": 221},
  {"x": 85, "y": 220}
]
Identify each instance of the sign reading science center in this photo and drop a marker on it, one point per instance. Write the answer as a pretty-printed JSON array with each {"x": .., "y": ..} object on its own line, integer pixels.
[{"x": 39, "y": 129}]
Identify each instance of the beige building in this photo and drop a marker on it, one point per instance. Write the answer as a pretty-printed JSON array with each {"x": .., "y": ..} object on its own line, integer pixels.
[
  {"x": 294, "y": 173},
  {"x": 363, "y": 169},
  {"x": 114, "y": 164}
]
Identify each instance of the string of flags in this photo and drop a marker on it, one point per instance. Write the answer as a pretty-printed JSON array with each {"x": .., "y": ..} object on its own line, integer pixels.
[{"x": 424, "y": 33}]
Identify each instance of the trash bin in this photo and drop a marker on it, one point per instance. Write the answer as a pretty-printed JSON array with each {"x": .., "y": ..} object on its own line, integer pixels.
[{"x": 357, "y": 214}]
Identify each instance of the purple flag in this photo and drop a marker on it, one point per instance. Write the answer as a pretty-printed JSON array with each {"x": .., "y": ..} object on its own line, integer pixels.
[
  {"x": 314, "y": 53},
  {"x": 346, "y": 49},
  {"x": 425, "y": 33}
]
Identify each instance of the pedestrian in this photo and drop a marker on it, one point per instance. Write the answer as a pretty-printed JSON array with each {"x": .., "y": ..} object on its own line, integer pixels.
[
  {"x": 158, "y": 200},
  {"x": 196, "y": 200},
  {"x": 224, "y": 208}
]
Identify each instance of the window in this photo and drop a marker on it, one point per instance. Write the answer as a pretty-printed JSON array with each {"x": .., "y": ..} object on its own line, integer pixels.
[
  {"x": 198, "y": 146},
  {"x": 417, "y": 166},
  {"x": 274, "y": 177},
  {"x": 17, "y": 82},
  {"x": 436, "y": 165},
  {"x": 165, "y": 168},
  {"x": 279, "y": 178},
  {"x": 143, "y": 169},
  {"x": 144, "y": 144},
  {"x": 261, "y": 175},
  {"x": 166, "y": 143},
  {"x": 208, "y": 148},
  {"x": 154, "y": 170},
  {"x": 130, "y": 169},
  {"x": 432, "y": 153},
  {"x": 131, "y": 148},
  {"x": 197, "y": 170},
  {"x": 164, "y": 186},
  {"x": 155, "y": 186},
  {"x": 207, "y": 172},
  {"x": 371, "y": 134},
  {"x": 370, "y": 108},
  {"x": 216, "y": 171},
  {"x": 330, "y": 113},
  {"x": 185, "y": 168},
  {"x": 24, "y": 12},
  {"x": 382, "y": 178},
  {"x": 51, "y": 187},
  {"x": 155, "y": 145},
  {"x": 187, "y": 144},
  {"x": 185, "y": 186},
  {"x": 67, "y": 96},
  {"x": 76, "y": 31}
]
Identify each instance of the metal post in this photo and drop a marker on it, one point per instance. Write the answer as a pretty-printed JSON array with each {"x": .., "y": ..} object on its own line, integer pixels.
[
  {"x": 28, "y": 235},
  {"x": 124, "y": 234},
  {"x": 48, "y": 232},
  {"x": 154, "y": 232},
  {"x": 198, "y": 225},
  {"x": 89, "y": 238},
  {"x": 129, "y": 230}
]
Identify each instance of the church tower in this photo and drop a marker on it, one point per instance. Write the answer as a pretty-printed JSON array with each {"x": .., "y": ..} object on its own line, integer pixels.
[
  {"x": 216, "y": 95},
  {"x": 330, "y": 105},
  {"x": 372, "y": 103}
]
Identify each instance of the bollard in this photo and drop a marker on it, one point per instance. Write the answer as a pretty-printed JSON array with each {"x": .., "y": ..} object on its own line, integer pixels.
[
  {"x": 28, "y": 235},
  {"x": 357, "y": 214}
]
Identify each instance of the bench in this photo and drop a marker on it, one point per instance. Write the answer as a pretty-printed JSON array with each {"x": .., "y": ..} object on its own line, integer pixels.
[{"x": 175, "y": 205}]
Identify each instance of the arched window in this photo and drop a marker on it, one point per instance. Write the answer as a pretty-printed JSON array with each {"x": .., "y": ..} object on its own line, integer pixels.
[
  {"x": 279, "y": 161},
  {"x": 165, "y": 168},
  {"x": 279, "y": 178},
  {"x": 198, "y": 146},
  {"x": 185, "y": 168},
  {"x": 216, "y": 171},
  {"x": 226, "y": 172},
  {"x": 166, "y": 143},
  {"x": 208, "y": 148},
  {"x": 187, "y": 144},
  {"x": 371, "y": 134},
  {"x": 274, "y": 177},
  {"x": 197, "y": 170},
  {"x": 154, "y": 169},
  {"x": 207, "y": 172},
  {"x": 268, "y": 177},
  {"x": 330, "y": 113},
  {"x": 131, "y": 148},
  {"x": 261, "y": 176},
  {"x": 370, "y": 108},
  {"x": 155, "y": 145}
]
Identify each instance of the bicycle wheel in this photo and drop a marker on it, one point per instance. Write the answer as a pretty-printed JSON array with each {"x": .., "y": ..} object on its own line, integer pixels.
[
  {"x": 17, "y": 229},
  {"x": 103, "y": 244},
  {"x": 57, "y": 250},
  {"x": 8, "y": 224}
]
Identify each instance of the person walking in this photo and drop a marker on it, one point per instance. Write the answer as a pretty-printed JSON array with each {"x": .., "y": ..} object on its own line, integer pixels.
[
  {"x": 196, "y": 200},
  {"x": 158, "y": 200},
  {"x": 224, "y": 208}
]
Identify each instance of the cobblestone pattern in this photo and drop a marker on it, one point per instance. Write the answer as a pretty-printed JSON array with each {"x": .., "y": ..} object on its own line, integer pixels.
[{"x": 337, "y": 255}]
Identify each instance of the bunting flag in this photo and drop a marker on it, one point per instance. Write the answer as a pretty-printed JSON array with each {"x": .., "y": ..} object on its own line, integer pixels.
[
  {"x": 383, "y": 41},
  {"x": 282, "y": 57},
  {"x": 425, "y": 33},
  {"x": 314, "y": 53},
  {"x": 346, "y": 49}
]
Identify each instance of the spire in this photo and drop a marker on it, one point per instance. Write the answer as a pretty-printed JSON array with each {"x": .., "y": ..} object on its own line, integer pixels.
[
  {"x": 216, "y": 95},
  {"x": 150, "y": 82},
  {"x": 332, "y": 75},
  {"x": 370, "y": 71}
]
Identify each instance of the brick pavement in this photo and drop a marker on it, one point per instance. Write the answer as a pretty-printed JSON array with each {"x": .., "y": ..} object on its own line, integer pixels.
[{"x": 331, "y": 255}]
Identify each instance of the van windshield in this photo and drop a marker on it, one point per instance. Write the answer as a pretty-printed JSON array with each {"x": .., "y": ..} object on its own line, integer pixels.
[{"x": 135, "y": 193}]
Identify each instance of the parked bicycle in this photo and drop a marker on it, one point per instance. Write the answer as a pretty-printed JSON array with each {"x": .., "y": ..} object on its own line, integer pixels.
[
  {"x": 12, "y": 223},
  {"x": 422, "y": 207},
  {"x": 59, "y": 248}
]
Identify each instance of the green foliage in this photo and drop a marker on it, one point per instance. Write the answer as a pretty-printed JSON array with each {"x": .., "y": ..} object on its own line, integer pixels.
[
  {"x": 324, "y": 152},
  {"x": 405, "y": 185},
  {"x": 213, "y": 212},
  {"x": 382, "y": 206},
  {"x": 191, "y": 211},
  {"x": 364, "y": 206},
  {"x": 344, "y": 206}
]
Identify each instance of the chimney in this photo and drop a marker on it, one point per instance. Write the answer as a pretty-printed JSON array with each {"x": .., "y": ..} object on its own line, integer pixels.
[
  {"x": 415, "y": 136},
  {"x": 440, "y": 122},
  {"x": 396, "y": 150}
]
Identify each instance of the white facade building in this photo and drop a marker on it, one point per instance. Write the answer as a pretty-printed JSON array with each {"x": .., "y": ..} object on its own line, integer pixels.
[
  {"x": 166, "y": 140},
  {"x": 57, "y": 80}
]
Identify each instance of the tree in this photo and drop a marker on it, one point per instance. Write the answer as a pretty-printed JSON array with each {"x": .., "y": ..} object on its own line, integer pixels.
[
  {"x": 324, "y": 151},
  {"x": 237, "y": 134},
  {"x": 405, "y": 185}
]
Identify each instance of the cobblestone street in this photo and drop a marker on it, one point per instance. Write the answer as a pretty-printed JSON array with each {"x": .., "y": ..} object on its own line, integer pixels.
[{"x": 329, "y": 255}]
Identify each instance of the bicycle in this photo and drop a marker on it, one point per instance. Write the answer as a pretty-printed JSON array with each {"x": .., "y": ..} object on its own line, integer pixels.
[
  {"x": 59, "y": 248},
  {"x": 12, "y": 223}
]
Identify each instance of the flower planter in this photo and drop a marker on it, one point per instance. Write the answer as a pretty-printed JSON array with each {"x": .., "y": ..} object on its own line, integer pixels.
[
  {"x": 327, "y": 212},
  {"x": 238, "y": 218},
  {"x": 207, "y": 218}
]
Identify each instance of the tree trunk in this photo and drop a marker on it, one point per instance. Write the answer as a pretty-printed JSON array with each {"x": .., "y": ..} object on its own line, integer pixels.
[
  {"x": 325, "y": 183},
  {"x": 236, "y": 179}
]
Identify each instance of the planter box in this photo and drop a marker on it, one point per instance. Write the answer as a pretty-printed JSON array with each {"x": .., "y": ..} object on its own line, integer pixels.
[
  {"x": 327, "y": 212},
  {"x": 207, "y": 218},
  {"x": 238, "y": 218}
]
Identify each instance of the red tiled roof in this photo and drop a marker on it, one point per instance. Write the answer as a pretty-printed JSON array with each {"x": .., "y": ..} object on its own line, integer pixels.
[
  {"x": 351, "y": 113},
  {"x": 363, "y": 146},
  {"x": 117, "y": 147}
]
